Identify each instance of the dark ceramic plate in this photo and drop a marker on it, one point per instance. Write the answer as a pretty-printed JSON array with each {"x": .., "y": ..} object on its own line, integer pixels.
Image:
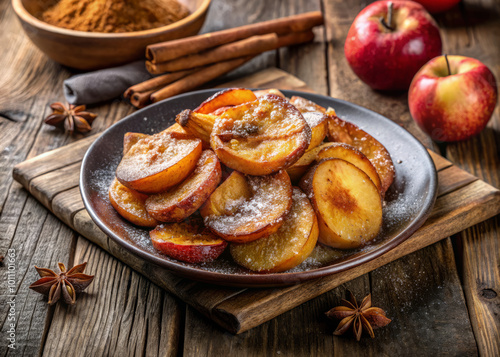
[{"x": 408, "y": 201}]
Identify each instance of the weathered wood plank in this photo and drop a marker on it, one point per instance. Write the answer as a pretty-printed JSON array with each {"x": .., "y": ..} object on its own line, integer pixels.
[
  {"x": 120, "y": 313},
  {"x": 478, "y": 247}
]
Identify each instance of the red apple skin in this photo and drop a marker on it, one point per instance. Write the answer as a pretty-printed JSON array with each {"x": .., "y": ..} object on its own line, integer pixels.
[
  {"x": 436, "y": 6},
  {"x": 453, "y": 107},
  {"x": 388, "y": 60}
]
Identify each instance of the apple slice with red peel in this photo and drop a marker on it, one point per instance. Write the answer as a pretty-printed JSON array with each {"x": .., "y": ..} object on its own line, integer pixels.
[
  {"x": 189, "y": 242},
  {"x": 159, "y": 161},
  {"x": 246, "y": 208},
  {"x": 226, "y": 98},
  {"x": 347, "y": 203},
  {"x": 352, "y": 155},
  {"x": 181, "y": 201},
  {"x": 260, "y": 137},
  {"x": 348, "y": 133},
  {"x": 130, "y": 205},
  {"x": 288, "y": 247}
]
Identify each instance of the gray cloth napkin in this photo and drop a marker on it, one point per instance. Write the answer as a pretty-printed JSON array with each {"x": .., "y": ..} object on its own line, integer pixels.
[{"x": 104, "y": 84}]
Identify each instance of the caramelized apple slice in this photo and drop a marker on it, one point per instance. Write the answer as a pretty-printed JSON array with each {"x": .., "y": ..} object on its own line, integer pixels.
[
  {"x": 288, "y": 247},
  {"x": 130, "y": 139},
  {"x": 305, "y": 105},
  {"x": 263, "y": 92},
  {"x": 225, "y": 98},
  {"x": 197, "y": 124},
  {"x": 347, "y": 203},
  {"x": 175, "y": 128},
  {"x": 297, "y": 170},
  {"x": 246, "y": 208},
  {"x": 189, "y": 242},
  {"x": 158, "y": 162},
  {"x": 315, "y": 116},
  {"x": 345, "y": 132},
  {"x": 130, "y": 205},
  {"x": 260, "y": 137},
  {"x": 352, "y": 155},
  {"x": 181, "y": 201}
]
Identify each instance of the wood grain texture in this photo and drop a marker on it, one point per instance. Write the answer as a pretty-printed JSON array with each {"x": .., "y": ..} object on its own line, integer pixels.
[
  {"x": 463, "y": 201},
  {"x": 478, "y": 248},
  {"x": 134, "y": 317}
]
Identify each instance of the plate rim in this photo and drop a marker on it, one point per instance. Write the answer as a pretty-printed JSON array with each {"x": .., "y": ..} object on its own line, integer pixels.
[{"x": 261, "y": 280}]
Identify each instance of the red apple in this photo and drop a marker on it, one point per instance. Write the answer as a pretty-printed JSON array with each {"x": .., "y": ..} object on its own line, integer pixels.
[
  {"x": 385, "y": 51},
  {"x": 435, "y": 6},
  {"x": 452, "y": 104},
  {"x": 187, "y": 241}
]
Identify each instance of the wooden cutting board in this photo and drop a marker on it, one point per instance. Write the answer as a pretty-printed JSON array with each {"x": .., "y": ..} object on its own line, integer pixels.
[{"x": 53, "y": 177}]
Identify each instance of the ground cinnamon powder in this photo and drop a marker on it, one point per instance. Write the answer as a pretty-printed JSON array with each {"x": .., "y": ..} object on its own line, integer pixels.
[{"x": 114, "y": 15}]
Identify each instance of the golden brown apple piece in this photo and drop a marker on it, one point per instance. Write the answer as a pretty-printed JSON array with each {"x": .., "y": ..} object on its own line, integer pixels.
[
  {"x": 130, "y": 139},
  {"x": 299, "y": 169},
  {"x": 197, "y": 124},
  {"x": 246, "y": 208},
  {"x": 260, "y": 137},
  {"x": 352, "y": 155},
  {"x": 288, "y": 247},
  {"x": 225, "y": 98},
  {"x": 175, "y": 128},
  {"x": 158, "y": 162},
  {"x": 189, "y": 242},
  {"x": 130, "y": 205},
  {"x": 347, "y": 203},
  {"x": 345, "y": 132},
  {"x": 181, "y": 201},
  {"x": 315, "y": 116},
  {"x": 263, "y": 92},
  {"x": 306, "y": 105}
]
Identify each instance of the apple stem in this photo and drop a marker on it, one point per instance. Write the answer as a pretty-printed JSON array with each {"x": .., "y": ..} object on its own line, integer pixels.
[
  {"x": 447, "y": 64},
  {"x": 388, "y": 24}
]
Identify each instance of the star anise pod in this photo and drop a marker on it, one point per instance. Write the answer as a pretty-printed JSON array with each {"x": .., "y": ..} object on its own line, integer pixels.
[
  {"x": 66, "y": 283},
  {"x": 359, "y": 317},
  {"x": 71, "y": 117}
]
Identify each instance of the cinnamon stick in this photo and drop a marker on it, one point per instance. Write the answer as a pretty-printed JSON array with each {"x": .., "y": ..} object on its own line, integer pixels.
[
  {"x": 141, "y": 99},
  {"x": 250, "y": 46},
  {"x": 198, "y": 78},
  {"x": 155, "y": 83},
  {"x": 165, "y": 51}
]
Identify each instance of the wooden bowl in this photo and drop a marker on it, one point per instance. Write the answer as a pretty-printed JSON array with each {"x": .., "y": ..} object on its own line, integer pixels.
[{"x": 93, "y": 50}]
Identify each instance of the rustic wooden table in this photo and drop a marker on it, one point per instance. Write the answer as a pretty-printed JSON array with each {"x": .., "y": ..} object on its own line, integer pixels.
[{"x": 443, "y": 299}]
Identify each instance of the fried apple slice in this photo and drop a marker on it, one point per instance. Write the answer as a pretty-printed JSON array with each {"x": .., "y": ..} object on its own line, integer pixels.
[
  {"x": 288, "y": 247},
  {"x": 260, "y": 137},
  {"x": 263, "y": 92},
  {"x": 158, "y": 162},
  {"x": 181, "y": 201},
  {"x": 348, "y": 133},
  {"x": 306, "y": 105},
  {"x": 130, "y": 139},
  {"x": 347, "y": 203},
  {"x": 352, "y": 155},
  {"x": 175, "y": 128},
  {"x": 189, "y": 242},
  {"x": 315, "y": 116},
  {"x": 197, "y": 124},
  {"x": 130, "y": 205},
  {"x": 299, "y": 169},
  {"x": 225, "y": 98},
  {"x": 246, "y": 208}
]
